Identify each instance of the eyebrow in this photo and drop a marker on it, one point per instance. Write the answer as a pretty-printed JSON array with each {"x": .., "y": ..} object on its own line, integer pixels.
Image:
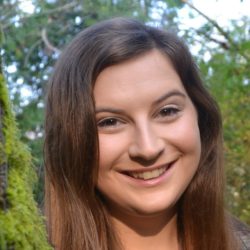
[
  {"x": 109, "y": 110},
  {"x": 168, "y": 95},
  {"x": 159, "y": 100}
]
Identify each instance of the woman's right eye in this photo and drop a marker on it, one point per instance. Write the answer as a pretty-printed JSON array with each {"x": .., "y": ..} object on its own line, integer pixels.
[{"x": 108, "y": 123}]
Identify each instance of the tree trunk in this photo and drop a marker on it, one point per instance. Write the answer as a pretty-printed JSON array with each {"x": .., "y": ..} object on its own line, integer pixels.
[{"x": 3, "y": 165}]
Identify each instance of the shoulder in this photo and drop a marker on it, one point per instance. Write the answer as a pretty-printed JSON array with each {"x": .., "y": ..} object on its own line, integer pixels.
[{"x": 242, "y": 232}]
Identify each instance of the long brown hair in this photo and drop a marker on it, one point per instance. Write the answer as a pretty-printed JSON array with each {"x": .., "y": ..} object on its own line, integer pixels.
[{"x": 77, "y": 218}]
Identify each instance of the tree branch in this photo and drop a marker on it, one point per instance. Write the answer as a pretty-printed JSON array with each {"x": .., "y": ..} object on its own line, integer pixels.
[
  {"x": 26, "y": 59},
  {"x": 48, "y": 12},
  {"x": 48, "y": 43},
  {"x": 215, "y": 24},
  {"x": 224, "y": 45}
]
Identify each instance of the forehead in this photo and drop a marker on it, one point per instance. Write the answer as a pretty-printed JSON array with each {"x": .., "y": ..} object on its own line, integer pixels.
[{"x": 149, "y": 74}]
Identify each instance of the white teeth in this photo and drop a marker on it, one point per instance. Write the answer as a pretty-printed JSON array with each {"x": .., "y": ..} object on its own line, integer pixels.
[{"x": 149, "y": 174}]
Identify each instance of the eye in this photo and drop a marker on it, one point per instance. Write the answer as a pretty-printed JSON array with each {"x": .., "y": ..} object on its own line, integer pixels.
[
  {"x": 168, "y": 111},
  {"x": 108, "y": 123}
]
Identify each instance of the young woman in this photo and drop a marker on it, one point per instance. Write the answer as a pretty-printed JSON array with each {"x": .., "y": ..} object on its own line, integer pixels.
[{"x": 133, "y": 146}]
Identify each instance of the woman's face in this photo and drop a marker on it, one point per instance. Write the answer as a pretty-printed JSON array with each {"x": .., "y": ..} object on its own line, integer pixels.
[{"x": 148, "y": 135}]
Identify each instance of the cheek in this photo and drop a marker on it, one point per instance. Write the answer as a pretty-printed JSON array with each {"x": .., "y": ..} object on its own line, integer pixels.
[
  {"x": 111, "y": 149},
  {"x": 185, "y": 135},
  {"x": 191, "y": 137},
  {"x": 106, "y": 149}
]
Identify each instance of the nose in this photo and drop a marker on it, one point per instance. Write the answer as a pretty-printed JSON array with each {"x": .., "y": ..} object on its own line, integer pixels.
[{"x": 147, "y": 145}]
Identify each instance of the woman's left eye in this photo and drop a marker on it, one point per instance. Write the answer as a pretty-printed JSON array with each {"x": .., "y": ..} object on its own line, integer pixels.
[{"x": 168, "y": 111}]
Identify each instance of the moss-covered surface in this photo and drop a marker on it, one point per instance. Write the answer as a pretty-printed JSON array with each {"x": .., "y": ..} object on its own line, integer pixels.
[{"x": 21, "y": 225}]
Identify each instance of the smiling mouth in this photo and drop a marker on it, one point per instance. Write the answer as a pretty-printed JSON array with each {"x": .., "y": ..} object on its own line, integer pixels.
[{"x": 147, "y": 175}]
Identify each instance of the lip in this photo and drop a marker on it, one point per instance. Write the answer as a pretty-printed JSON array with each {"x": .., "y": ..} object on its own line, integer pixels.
[
  {"x": 146, "y": 169},
  {"x": 150, "y": 182}
]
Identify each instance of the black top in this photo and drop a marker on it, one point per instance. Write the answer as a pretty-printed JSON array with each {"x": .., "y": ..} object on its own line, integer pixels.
[{"x": 242, "y": 231}]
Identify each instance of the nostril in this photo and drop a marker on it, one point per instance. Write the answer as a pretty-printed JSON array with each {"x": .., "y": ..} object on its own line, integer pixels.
[
  {"x": 143, "y": 161},
  {"x": 146, "y": 153}
]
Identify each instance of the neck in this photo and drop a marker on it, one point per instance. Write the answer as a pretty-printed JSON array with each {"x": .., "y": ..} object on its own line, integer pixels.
[{"x": 154, "y": 232}]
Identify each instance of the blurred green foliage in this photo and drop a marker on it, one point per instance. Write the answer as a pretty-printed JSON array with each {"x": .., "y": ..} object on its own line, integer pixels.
[
  {"x": 21, "y": 224},
  {"x": 228, "y": 77}
]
